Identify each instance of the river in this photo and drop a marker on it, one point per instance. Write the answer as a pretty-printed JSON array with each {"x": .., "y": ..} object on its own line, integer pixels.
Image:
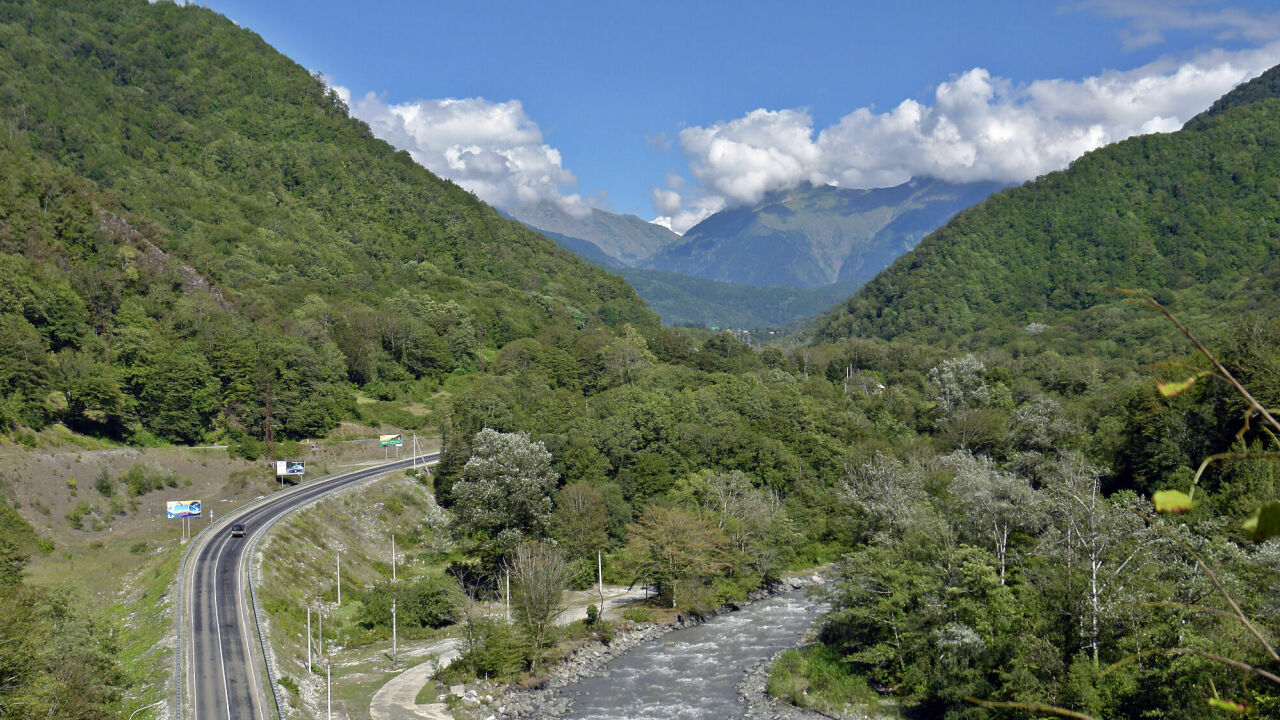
[{"x": 693, "y": 673}]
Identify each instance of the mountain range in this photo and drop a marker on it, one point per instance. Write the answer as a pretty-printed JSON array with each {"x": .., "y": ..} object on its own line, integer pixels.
[
  {"x": 816, "y": 235},
  {"x": 789, "y": 256}
]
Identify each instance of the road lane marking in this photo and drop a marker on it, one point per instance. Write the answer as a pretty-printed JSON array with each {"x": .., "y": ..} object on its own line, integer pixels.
[{"x": 217, "y": 618}]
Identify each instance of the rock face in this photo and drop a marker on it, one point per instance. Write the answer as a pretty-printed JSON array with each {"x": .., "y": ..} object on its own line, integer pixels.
[{"x": 587, "y": 661}]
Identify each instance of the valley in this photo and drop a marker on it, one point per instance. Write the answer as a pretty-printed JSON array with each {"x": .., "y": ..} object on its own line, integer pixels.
[{"x": 1025, "y": 428}]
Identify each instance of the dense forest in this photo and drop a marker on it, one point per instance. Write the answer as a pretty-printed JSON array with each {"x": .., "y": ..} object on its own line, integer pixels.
[
  {"x": 1190, "y": 217},
  {"x": 186, "y": 209},
  {"x": 191, "y": 224}
]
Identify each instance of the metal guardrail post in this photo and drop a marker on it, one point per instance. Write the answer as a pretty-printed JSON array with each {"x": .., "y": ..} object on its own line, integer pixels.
[
  {"x": 253, "y": 594},
  {"x": 180, "y": 652}
]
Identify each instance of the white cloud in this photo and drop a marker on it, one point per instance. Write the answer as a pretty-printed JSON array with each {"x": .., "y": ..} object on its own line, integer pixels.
[
  {"x": 493, "y": 149},
  {"x": 979, "y": 127},
  {"x": 1150, "y": 19}
]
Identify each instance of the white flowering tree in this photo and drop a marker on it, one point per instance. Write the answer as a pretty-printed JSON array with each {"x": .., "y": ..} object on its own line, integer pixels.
[{"x": 503, "y": 494}]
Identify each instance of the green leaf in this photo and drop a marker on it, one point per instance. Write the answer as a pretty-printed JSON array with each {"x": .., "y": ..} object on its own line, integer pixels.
[
  {"x": 1234, "y": 706},
  {"x": 1173, "y": 387},
  {"x": 1174, "y": 502},
  {"x": 1264, "y": 522}
]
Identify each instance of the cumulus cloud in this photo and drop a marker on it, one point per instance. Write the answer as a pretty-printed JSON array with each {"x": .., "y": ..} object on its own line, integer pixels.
[
  {"x": 493, "y": 149},
  {"x": 978, "y": 127}
]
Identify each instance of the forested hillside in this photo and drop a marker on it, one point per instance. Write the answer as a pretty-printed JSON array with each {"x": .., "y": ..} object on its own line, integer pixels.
[
  {"x": 1192, "y": 217},
  {"x": 190, "y": 224},
  {"x": 187, "y": 209}
]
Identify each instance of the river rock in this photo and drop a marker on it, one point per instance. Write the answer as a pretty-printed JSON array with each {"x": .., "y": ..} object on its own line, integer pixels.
[{"x": 589, "y": 659}]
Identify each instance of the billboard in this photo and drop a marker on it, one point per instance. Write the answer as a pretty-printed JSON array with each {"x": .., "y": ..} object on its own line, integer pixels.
[
  {"x": 290, "y": 467},
  {"x": 182, "y": 508},
  {"x": 385, "y": 440}
]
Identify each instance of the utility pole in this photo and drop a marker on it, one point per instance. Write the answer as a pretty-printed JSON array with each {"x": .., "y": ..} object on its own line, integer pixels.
[
  {"x": 339, "y": 578},
  {"x": 393, "y": 557},
  {"x": 394, "y": 660},
  {"x": 600, "y": 577},
  {"x": 268, "y": 435},
  {"x": 308, "y": 639},
  {"x": 328, "y": 687},
  {"x": 508, "y": 597},
  {"x": 320, "y": 618}
]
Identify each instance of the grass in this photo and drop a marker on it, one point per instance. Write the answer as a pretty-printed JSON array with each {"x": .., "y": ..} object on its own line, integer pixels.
[
  {"x": 299, "y": 567},
  {"x": 434, "y": 691},
  {"x": 144, "y": 619},
  {"x": 814, "y": 677}
]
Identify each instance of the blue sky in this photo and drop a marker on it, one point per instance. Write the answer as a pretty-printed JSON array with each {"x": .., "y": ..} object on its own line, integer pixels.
[{"x": 674, "y": 110}]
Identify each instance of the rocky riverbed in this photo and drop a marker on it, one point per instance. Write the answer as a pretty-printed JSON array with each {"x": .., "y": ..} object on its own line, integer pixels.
[{"x": 567, "y": 684}]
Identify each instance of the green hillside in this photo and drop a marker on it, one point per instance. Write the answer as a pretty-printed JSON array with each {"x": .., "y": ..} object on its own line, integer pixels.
[
  {"x": 1192, "y": 217},
  {"x": 191, "y": 221},
  {"x": 1266, "y": 85},
  {"x": 694, "y": 301}
]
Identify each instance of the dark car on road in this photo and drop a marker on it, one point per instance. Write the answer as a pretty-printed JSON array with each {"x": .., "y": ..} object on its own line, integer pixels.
[{"x": 237, "y": 530}]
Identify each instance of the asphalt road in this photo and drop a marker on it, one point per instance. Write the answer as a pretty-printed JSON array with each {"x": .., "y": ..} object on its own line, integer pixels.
[{"x": 222, "y": 681}]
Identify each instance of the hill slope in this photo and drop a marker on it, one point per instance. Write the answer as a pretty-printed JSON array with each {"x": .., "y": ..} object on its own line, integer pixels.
[
  {"x": 694, "y": 301},
  {"x": 812, "y": 236},
  {"x": 191, "y": 222},
  {"x": 1192, "y": 217},
  {"x": 627, "y": 239}
]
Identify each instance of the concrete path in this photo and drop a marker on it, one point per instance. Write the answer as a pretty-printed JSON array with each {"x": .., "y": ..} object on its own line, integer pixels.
[
  {"x": 614, "y": 598},
  {"x": 397, "y": 700}
]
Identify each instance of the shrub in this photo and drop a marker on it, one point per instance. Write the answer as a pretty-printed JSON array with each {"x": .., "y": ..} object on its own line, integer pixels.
[
  {"x": 431, "y": 601},
  {"x": 75, "y": 518},
  {"x": 143, "y": 478},
  {"x": 104, "y": 483}
]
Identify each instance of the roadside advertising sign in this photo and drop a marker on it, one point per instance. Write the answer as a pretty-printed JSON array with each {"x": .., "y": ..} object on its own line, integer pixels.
[
  {"x": 182, "y": 508},
  {"x": 385, "y": 440},
  {"x": 290, "y": 467}
]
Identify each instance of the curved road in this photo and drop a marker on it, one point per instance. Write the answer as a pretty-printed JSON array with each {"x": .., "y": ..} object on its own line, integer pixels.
[{"x": 220, "y": 640}]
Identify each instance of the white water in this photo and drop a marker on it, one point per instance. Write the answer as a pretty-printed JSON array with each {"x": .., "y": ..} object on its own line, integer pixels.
[{"x": 692, "y": 674}]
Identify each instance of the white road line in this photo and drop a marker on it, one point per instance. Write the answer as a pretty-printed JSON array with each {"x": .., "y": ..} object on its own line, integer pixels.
[
  {"x": 191, "y": 644},
  {"x": 217, "y": 619},
  {"x": 244, "y": 602},
  {"x": 334, "y": 483}
]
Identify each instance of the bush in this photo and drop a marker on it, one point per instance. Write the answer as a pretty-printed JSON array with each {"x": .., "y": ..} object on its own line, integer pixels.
[
  {"x": 816, "y": 677},
  {"x": 247, "y": 447},
  {"x": 104, "y": 483},
  {"x": 496, "y": 650},
  {"x": 143, "y": 478},
  {"x": 431, "y": 601},
  {"x": 75, "y": 518}
]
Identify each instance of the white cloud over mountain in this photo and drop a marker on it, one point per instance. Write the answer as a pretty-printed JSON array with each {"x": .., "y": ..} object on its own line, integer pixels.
[
  {"x": 493, "y": 149},
  {"x": 979, "y": 127}
]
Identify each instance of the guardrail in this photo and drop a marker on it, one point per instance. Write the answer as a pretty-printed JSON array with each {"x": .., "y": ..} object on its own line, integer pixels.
[
  {"x": 180, "y": 655},
  {"x": 253, "y": 594}
]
